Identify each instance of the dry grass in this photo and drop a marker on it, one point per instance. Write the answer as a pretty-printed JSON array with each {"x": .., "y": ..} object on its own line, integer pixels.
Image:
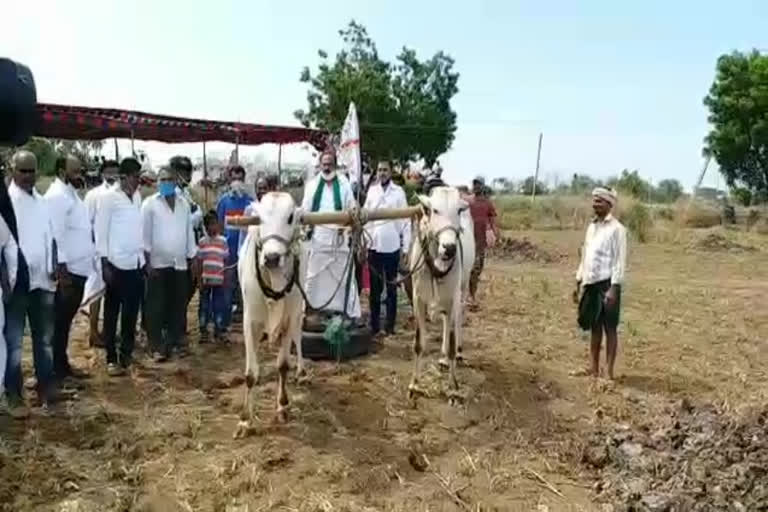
[{"x": 693, "y": 326}]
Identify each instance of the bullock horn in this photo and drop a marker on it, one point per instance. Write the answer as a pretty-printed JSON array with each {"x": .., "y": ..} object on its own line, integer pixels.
[{"x": 347, "y": 217}]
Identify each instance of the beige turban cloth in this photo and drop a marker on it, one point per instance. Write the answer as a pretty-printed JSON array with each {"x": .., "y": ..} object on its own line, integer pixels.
[{"x": 606, "y": 194}]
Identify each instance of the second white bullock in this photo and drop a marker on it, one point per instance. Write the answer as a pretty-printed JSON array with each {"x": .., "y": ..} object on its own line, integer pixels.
[
  {"x": 271, "y": 270},
  {"x": 442, "y": 255}
]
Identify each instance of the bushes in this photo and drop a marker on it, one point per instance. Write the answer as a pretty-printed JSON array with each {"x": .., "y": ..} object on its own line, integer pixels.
[{"x": 637, "y": 219}]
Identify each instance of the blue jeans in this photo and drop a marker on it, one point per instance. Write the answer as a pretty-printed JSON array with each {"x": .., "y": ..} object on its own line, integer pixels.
[
  {"x": 37, "y": 305},
  {"x": 213, "y": 306},
  {"x": 231, "y": 289}
]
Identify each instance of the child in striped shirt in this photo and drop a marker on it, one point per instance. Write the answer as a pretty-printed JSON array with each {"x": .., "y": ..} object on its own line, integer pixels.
[{"x": 213, "y": 252}]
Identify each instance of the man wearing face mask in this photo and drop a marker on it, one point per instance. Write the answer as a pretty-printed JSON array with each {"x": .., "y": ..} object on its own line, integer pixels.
[
  {"x": 329, "y": 244},
  {"x": 120, "y": 246},
  {"x": 169, "y": 246},
  {"x": 232, "y": 204},
  {"x": 95, "y": 284},
  {"x": 389, "y": 240},
  {"x": 75, "y": 251},
  {"x": 182, "y": 167}
]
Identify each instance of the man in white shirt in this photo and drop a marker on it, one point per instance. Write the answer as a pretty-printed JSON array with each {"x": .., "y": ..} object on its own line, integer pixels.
[
  {"x": 74, "y": 250},
  {"x": 33, "y": 295},
  {"x": 326, "y": 280},
  {"x": 94, "y": 286},
  {"x": 388, "y": 241},
  {"x": 169, "y": 246},
  {"x": 120, "y": 247},
  {"x": 600, "y": 277},
  {"x": 182, "y": 167}
]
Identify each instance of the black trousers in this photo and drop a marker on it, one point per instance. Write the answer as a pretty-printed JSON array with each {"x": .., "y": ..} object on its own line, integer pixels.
[
  {"x": 66, "y": 303},
  {"x": 383, "y": 266},
  {"x": 122, "y": 299},
  {"x": 166, "y": 308}
]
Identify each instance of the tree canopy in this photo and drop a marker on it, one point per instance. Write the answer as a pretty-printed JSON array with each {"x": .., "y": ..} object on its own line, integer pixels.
[
  {"x": 738, "y": 113},
  {"x": 47, "y": 150},
  {"x": 403, "y": 107}
]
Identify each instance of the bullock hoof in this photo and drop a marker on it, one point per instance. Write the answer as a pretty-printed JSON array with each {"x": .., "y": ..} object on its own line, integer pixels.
[
  {"x": 460, "y": 358},
  {"x": 444, "y": 363},
  {"x": 244, "y": 429},
  {"x": 281, "y": 416},
  {"x": 414, "y": 391},
  {"x": 302, "y": 377},
  {"x": 455, "y": 398}
]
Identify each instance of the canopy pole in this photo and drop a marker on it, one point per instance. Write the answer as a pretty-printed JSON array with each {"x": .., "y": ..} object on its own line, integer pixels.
[
  {"x": 279, "y": 166},
  {"x": 117, "y": 151},
  {"x": 133, "y": 153},
  {"x": 237, "y": 149},
  {"x": 205, "y": 178}
]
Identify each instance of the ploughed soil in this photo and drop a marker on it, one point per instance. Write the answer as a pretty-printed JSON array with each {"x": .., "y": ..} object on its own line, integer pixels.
[{"x": 682, "y": 427}]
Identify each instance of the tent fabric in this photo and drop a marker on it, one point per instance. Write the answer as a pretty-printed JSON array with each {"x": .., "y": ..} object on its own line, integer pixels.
[{"x": 73, "y": 122}]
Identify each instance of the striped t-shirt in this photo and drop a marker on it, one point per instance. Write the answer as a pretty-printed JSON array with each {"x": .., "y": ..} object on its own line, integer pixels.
[{"x": 213, "y": 251}]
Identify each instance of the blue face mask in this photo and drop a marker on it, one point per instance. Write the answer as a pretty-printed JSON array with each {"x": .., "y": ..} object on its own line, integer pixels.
[{"x": 166, "y": 188}]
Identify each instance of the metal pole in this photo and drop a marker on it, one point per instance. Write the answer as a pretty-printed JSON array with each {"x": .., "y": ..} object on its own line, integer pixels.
[
  {"x": 133, "y": 153},
  {"x": 237, "y": 149},
  {"x": 117, "y": 151},
  {"x": 279, "y": 166},
  {"x": 536, "y": 174}
]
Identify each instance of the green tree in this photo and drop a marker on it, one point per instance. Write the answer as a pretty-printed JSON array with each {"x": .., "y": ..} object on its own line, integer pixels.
[
  {"x": 526, "y": 187},
  {"x": 742, "y": 195},
  {"x": 582, "y": 183},
  {"x": 403, "y": 107},
  {"x": 631, "y": 183},
  {"x": 668, "y": 191},
  {"x": 738, "y": 113}
]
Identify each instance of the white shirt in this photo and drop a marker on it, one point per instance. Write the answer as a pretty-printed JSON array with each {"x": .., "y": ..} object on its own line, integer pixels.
[
  {"x": 71, "y": 228},
  {"x": 35, "y": 236},
  {"x": 388, "y": 236},
  {"x": 92, "y": 198},
  {"x": 168, "y": 235},
  {"x": 196, "y": 218},
  {"x": 118, "y": 229},
  {"x": 326, "y": 236},
  {"x": 604, "y": 255},
  {"x": 10, "y": 256}
]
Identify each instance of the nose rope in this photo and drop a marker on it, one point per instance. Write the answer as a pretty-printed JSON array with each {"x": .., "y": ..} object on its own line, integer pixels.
[
  {"x": 268, "y": 291},
  {"x": 429, "y": 260}
]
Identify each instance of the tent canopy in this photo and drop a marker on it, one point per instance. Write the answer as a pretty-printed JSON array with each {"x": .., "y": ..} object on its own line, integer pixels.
[{"x": 72, "y": 122}]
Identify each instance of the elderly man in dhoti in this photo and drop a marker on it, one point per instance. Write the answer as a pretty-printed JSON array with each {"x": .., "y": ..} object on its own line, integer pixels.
[
  {"x": 600, "y": 277},
  {"x": 327, "y": 280}
]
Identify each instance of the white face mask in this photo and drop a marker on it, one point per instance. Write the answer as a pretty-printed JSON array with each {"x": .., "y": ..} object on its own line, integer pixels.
[
  {"x": 329, "y": 175},
  {"x": 237, "y": 186}
]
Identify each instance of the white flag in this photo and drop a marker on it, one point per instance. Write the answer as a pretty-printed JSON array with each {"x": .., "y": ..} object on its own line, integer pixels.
[{"x": 349, "y": 148}]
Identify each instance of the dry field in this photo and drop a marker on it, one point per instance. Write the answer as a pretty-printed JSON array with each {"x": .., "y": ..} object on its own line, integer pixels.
[{"x": 683, "y": 424}]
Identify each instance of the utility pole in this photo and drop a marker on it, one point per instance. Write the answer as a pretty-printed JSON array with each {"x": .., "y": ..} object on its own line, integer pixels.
[{"x": 536, "y": 174}]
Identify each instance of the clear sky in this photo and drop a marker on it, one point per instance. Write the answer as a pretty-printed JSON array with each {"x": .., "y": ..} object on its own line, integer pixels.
[{"x": 611, "y": 84}]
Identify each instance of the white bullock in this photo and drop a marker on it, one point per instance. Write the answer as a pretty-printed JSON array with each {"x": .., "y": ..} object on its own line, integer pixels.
[
  {"x": 442, "y": 255},
  {"x": 271, "y": 270}
]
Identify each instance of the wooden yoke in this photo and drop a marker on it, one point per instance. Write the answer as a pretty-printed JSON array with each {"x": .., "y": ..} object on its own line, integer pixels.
[{"x": 343, "y": 218}]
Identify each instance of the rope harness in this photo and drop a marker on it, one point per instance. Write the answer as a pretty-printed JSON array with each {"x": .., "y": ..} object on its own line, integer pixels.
[{"x": 266, "y": 289}]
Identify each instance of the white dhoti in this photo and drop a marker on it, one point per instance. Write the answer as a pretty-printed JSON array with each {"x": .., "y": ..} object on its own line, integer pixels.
[
  {"x": 94, "y": 286},
  {"x": 328, "y": 272}
]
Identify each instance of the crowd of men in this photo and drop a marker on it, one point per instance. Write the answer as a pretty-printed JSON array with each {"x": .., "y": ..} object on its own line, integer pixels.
[{"x": 153, "y": 254}]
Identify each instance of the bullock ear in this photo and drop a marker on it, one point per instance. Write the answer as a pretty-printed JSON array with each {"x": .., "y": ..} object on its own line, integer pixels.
[{"x": 426, "y": 206}]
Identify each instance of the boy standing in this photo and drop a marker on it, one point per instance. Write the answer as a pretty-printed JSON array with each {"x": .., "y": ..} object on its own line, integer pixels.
[{"x": 214, "y": 251}]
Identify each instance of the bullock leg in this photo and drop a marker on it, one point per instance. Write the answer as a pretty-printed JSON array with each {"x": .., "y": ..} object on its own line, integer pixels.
[
  {"x": 420, "y": 311},
  {"x": 454, "y": 346},
  {"x": 282, "y": 374},
  {"x": 252, "y": 331},
  {"x": 445, "y": 358},
  {"x": 295, "y": 336}
]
